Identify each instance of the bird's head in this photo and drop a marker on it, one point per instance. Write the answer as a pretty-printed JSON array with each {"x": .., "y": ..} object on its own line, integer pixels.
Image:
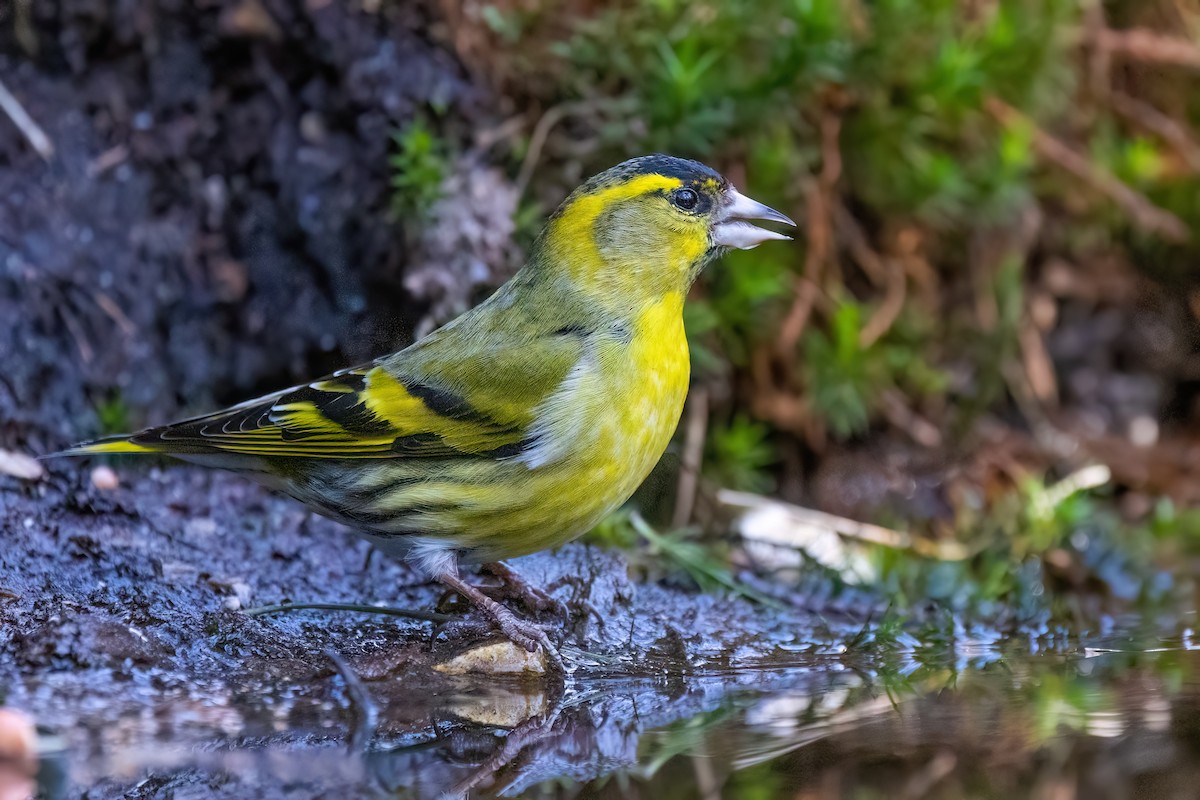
[{"x": 647, "y": 227}]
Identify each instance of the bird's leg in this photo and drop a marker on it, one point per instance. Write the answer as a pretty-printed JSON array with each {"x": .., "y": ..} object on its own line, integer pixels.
[
  {"x": 522, "y": 632},
  {"x": 521, "y": 589}
]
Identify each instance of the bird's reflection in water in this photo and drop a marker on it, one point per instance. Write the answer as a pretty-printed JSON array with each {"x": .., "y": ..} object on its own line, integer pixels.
[
  {"x": 503, "y": 741},
  {"x": 1098, "y": 725}
]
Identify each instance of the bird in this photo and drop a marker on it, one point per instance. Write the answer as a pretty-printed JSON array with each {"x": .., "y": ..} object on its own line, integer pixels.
[{"x": 520, "y": 424}]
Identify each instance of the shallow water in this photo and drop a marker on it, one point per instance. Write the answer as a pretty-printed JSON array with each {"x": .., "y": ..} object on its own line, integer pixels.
[{"x": 1113, "y": 717}]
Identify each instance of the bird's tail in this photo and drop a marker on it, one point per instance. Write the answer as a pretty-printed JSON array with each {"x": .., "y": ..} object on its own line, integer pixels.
[{"x": 121, "y": 443}]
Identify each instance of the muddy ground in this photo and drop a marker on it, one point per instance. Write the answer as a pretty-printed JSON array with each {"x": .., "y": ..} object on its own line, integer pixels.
[
  {"x": 215, "y": 219},
  {"x": 123, "y": 632}
]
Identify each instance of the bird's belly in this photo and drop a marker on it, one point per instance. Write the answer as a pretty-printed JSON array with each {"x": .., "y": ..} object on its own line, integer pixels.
[
  {"x": 600, "y": 435},
  {"x": 624, "y": 413}
]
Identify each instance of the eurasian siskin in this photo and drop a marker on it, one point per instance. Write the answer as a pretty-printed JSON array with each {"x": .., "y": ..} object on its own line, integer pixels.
[{"x": 522, "y": 423}]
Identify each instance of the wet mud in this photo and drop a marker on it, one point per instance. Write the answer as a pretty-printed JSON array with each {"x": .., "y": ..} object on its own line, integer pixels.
[{"x": 124, "y": 633}]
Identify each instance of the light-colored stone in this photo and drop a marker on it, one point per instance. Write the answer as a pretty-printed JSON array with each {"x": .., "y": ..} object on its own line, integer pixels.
[{"x": 496, "y": 658}]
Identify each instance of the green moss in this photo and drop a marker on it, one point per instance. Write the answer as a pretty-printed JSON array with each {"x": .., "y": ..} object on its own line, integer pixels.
[{"x": 420, "y": 165}]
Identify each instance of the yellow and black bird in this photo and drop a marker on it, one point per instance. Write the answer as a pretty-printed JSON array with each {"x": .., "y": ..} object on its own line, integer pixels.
[{"x": 522, "y": 423}]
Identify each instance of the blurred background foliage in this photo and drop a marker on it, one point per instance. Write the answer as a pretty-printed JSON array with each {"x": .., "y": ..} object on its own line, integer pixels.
[{"x": 994, "y": 285}]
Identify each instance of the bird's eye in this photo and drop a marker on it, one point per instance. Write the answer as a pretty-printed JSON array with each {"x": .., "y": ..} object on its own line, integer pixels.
[{"x": 685, "y": 199}]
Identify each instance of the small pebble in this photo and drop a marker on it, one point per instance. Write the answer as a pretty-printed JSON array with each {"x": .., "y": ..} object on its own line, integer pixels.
[
  {"x": 18, "y": 756},
  {"x": 105, "y": 479},
  {"x": 199, "y": 528},
  {"x": 242, "y": 592},
  {"x": 312, "y": 128},
  {"x": 21, "y": 466}
]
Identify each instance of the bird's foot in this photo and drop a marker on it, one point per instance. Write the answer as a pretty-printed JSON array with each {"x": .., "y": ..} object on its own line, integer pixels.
[
  {"x": 523, "y": 633},
  {"x": 520, "y": 589},
  {"x": 529, "y": 635}
]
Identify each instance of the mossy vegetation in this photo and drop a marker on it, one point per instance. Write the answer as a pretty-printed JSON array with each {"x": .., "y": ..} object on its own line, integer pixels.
[{"x": 992, "y": 196}]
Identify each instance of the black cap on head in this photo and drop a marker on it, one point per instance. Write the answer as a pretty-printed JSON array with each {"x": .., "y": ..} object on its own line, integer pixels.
[{"x": 684, "y": 169}]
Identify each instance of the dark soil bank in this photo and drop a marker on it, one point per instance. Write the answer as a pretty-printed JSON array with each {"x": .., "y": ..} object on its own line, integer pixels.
[{"x": 214, "y": 221}]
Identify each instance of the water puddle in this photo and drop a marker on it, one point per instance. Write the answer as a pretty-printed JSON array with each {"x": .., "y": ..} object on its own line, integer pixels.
[{"x": 1117, "y": 717}]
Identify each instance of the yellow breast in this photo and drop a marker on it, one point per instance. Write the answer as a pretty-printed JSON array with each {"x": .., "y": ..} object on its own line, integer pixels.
[
  {"x": 601, "y": 434},
  {"x": 656, "y": 369}
]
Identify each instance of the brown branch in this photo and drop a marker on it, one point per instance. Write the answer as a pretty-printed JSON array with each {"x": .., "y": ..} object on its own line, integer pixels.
[
  {"x": 1039, "y": 367},
  {"x": 881, "y": 271},
  {"x": 553, "y": 116},
  {"x": 854, "y": 238},
  {"x": 693, "y": 453},
  {"x": 1151, "y": 119},
  {"x": 920, "y": 430},
  {"x": 889, "y": 310},
  {"x": 1139, "y": 44},
  {"x": 1140, "y": 209},
  {"x": 818, "y": 235},
  {"x": 1099, "y": 59}
]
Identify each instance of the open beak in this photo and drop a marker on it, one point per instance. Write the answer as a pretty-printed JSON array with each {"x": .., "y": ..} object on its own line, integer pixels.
[{"x": 733, "y": 231}]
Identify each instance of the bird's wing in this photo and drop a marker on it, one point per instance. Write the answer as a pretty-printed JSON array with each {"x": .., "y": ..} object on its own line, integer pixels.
[{"x": 443, "y": 397}]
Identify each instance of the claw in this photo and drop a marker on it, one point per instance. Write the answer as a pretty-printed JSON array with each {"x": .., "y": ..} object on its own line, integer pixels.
[
  {"x": 527, "y": 634},
  {"x": 524, "y": 633},
  {"x": 520, "y": 589}
]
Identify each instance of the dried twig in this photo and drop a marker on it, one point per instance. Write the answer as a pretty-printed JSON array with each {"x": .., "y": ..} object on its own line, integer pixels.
[
  {"x": 889, "y": 310},
  {"x": 693, "y": 451},
  {"x": 781, "y": 407},
  {"x": 1139, "y": 44},
  {"x": 1151, "y": 119},
  {"x": 1144, "y": 213},
  {"x": 1039, "y": 367},
  {"x": 846, "y": 528},
  {"x": 881, "y": 271},
  {"x": 541, "y": 132},
  {"x": 33, "y": 133},
  {"x": 76, "y": 330},
  {"x": 920, "y": 430},
  {"x": 537, "y": 141},
  {"x": 854, "y": 239},
  {"x": 114, "y": 312},
  {"x": 487, "y": 138},
  {"x": 406, "y": 613},
  {"x": 1099, "y": 59},
  {"x": 818, "y": 235},
  {"x": 708, "y": 787},
  {"x": 107, "y": 160}
]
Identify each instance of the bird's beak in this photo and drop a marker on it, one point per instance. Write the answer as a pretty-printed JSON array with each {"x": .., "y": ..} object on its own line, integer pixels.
[{"x": 732, "y": 230}]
